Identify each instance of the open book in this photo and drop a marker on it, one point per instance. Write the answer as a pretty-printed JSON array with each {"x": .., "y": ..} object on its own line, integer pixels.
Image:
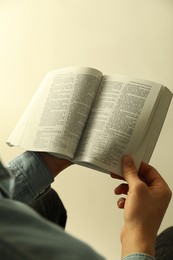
[{"x": 93, "y": 119}]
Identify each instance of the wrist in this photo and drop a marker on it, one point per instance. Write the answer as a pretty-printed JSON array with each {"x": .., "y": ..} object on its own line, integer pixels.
[
  {"x": 55, "y": 164},
  {"x": 137, "y": 241}
]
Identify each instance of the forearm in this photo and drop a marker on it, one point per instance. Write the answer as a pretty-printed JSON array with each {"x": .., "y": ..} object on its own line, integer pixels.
[{"x": 137, "y": 243}]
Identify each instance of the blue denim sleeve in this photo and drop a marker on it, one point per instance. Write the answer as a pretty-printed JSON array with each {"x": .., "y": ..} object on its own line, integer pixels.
[
  {"x": 139, "y": 257},
  {"x": 31, "y": 177},
  {"x": 24, "y": 233},
  {"x": 6, "y": 182}
]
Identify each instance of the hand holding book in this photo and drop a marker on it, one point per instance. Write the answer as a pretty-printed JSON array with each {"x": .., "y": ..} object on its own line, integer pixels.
[{"x": 93, "y": 119}]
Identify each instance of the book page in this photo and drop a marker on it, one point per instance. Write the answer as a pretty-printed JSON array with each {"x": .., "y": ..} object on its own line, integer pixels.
[
  {"x": 118, "y": 121},
  {"x": 56, "y": 116},
  {"x": 158, "y": 117}
]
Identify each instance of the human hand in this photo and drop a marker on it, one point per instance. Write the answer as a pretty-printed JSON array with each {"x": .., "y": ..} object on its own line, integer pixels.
[
  {"x": 147, "y": 199},
  {"x": 55, "y": 164}
]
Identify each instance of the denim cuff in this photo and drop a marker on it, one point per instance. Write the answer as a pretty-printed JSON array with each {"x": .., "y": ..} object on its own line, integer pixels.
[
  {"x": 138, "y": 256},
  {"x": 32, "y": 176}
]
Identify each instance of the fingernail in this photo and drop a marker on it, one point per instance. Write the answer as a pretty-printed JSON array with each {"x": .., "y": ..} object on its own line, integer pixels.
[{"x": 121, "y": 203}]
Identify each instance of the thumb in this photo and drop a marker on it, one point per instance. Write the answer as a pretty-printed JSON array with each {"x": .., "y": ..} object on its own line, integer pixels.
[{"x": 129, "y": 169}]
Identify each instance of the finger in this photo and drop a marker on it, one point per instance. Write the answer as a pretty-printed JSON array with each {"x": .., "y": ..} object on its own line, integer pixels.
[
  {"x": 129, "y": 169},
  {"x": 121, "y": 189},
  {"x": 115, "y": 176},
  {"x": 149, "y": 174},
  {"x": 121, "y": 203}
]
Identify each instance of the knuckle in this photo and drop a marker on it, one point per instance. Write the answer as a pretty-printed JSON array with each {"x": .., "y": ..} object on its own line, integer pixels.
[
  {"x": 170, "y": 194},
  {"x": 167, "y": 194},
  {"x": 140, "y": 187}
]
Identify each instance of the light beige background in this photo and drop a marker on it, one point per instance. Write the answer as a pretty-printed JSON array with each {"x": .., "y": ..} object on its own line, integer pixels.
[{"x": 125, "y": 37}]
